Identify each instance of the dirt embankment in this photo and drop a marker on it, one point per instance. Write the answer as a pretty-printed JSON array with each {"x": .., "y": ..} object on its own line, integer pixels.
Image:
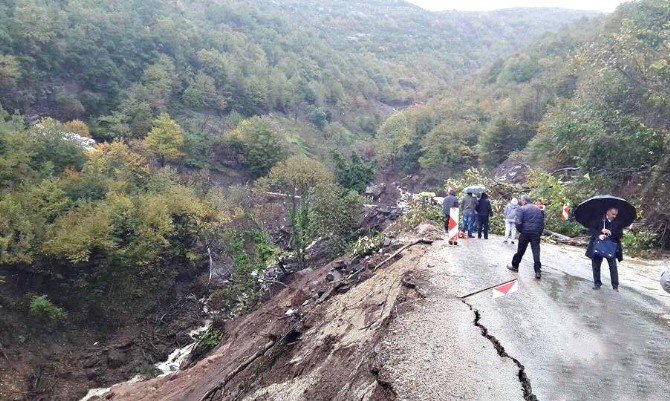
[{"x": 313, "y": 341}]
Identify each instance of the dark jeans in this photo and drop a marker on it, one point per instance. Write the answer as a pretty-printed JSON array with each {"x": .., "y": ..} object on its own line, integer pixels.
[
  {"x": 483, "y": 225},
  {"x": 596, "y": 261},
  {"x": 524, "y": 240}
]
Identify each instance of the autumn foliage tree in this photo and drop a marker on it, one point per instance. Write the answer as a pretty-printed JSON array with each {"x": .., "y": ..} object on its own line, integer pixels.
[{"x": 165, "y": 140}]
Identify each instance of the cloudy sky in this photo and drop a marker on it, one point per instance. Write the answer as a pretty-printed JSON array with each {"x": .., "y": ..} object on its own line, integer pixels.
[{"x": 478, "y": 5}]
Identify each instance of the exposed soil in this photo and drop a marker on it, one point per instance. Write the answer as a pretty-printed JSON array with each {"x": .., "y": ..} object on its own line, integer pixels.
[
  {"x": 327, "y": 348},
  {"x": 41, "y": 364}
]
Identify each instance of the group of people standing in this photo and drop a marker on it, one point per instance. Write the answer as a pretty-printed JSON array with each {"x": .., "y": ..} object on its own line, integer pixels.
[
  {"x": 528, "y": 219},
  {"x": 475, "y": 212}
]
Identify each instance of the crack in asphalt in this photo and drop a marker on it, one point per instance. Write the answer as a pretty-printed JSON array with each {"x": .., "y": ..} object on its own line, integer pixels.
[{"x": 522, "y": 376}]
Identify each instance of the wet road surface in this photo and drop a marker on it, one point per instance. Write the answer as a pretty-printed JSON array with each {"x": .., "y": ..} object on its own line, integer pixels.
[{"x": 574, "y": 343}]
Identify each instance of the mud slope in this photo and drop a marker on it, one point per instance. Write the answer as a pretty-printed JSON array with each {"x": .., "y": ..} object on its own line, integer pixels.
[{"x": 327, "y": 350}]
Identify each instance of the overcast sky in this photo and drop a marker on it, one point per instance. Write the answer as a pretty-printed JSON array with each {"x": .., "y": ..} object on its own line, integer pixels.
[{"x": 479, "y": 5}]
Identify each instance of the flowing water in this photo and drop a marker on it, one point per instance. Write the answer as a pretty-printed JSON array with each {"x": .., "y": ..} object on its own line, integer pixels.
[{"x": 172, "y": 364}]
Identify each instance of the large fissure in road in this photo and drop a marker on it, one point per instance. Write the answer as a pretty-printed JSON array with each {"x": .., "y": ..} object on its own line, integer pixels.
[{"x": 523, "y": 377}]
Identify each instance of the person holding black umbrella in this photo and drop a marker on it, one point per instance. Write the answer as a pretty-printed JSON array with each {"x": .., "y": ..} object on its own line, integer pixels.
[
  {"x": 605, "y": 216},
  {"x": 607, "y": 229}
]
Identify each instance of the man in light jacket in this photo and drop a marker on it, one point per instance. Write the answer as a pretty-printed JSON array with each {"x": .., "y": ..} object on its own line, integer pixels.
[
  {"x": 530, "y": 223},
  {"x": 468, "y": 206},
  {"x": 509, "y": 215}
]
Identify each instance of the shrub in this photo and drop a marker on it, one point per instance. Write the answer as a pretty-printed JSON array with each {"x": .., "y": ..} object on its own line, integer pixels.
[
  {"x": 251, "y": 252},
  {"x": 45, "y": 311},
  {"x": 208, "y": 342},
  {"x": 336, "y": 211},
  {"x": 354, "y": 174},
  {"x": 419, "y": 214},
  {"x": 639, "y": 243},
  {"x": 367, "y": 245}
]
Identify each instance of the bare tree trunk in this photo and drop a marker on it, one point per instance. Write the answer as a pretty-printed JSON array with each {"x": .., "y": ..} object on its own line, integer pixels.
[{"x": 211, "y": 265}]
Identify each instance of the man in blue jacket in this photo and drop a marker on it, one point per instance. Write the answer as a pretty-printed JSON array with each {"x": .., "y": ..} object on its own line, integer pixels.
[{"x": 530, "y": 223}]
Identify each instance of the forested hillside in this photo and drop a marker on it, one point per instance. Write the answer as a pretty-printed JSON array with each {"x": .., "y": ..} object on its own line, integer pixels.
[
  {"x": 116, "y": 65},
  {"x": 139, "y": 141}
]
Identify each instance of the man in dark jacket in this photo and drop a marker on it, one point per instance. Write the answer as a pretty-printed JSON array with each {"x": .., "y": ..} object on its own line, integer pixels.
[
  {"x": 450, "y": 201},
  {"x": 530, "y": 223},
  {"x": 484, "y": 211},
  {"x": 610, "y": 228}
]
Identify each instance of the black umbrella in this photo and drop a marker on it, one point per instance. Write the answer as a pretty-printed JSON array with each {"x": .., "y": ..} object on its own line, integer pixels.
[{"x": 596, "y": 207}]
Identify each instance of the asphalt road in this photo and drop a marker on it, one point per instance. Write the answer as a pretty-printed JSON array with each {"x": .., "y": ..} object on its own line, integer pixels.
[{"x": 573, "y": 342}]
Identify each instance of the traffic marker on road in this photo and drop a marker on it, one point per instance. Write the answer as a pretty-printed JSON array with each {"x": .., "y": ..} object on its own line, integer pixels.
[
  {"x": 453, "y": 225},
  {"x": 505, "y": 289}
]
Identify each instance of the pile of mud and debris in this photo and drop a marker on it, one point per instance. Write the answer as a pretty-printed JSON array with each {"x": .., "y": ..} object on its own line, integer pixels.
[{"x": 318, "y": 338}]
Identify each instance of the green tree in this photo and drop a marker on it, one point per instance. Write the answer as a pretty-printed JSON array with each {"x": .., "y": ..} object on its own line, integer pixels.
[
  {"x": 297, "y": 177},
  {"x": 260, "y": 143},
  {"x": 503, "y": 136},
  {"x": 10, "y": 72},
  {"x": 201, "y": 94},
  {"x": 165, "y": 140},
  {"x": 520, "y": 68},
  {"x": 355, "y": 174},
  {"x": 160, "y": 81},
  {"x": 450, "y": 145},
  {"x": 338, "y": 212},
  {"x": 392, "y": 137}
]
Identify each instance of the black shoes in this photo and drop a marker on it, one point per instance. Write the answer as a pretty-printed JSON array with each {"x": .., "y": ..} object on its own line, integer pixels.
[
  {"x": 596, "y": 287},
  {"x": 516, "y": 270},
  {"x": 616, "y": 289}
]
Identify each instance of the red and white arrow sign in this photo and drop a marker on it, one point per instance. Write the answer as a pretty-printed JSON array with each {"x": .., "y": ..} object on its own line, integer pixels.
[{"x": 505, "y": 289}]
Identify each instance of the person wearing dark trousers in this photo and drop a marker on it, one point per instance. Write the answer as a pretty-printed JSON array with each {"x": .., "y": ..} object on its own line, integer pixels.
[
  {"x": 610, "y": 228},
  {"x": 530, "y": 224},
  {"x": 484, "y": 211}
]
